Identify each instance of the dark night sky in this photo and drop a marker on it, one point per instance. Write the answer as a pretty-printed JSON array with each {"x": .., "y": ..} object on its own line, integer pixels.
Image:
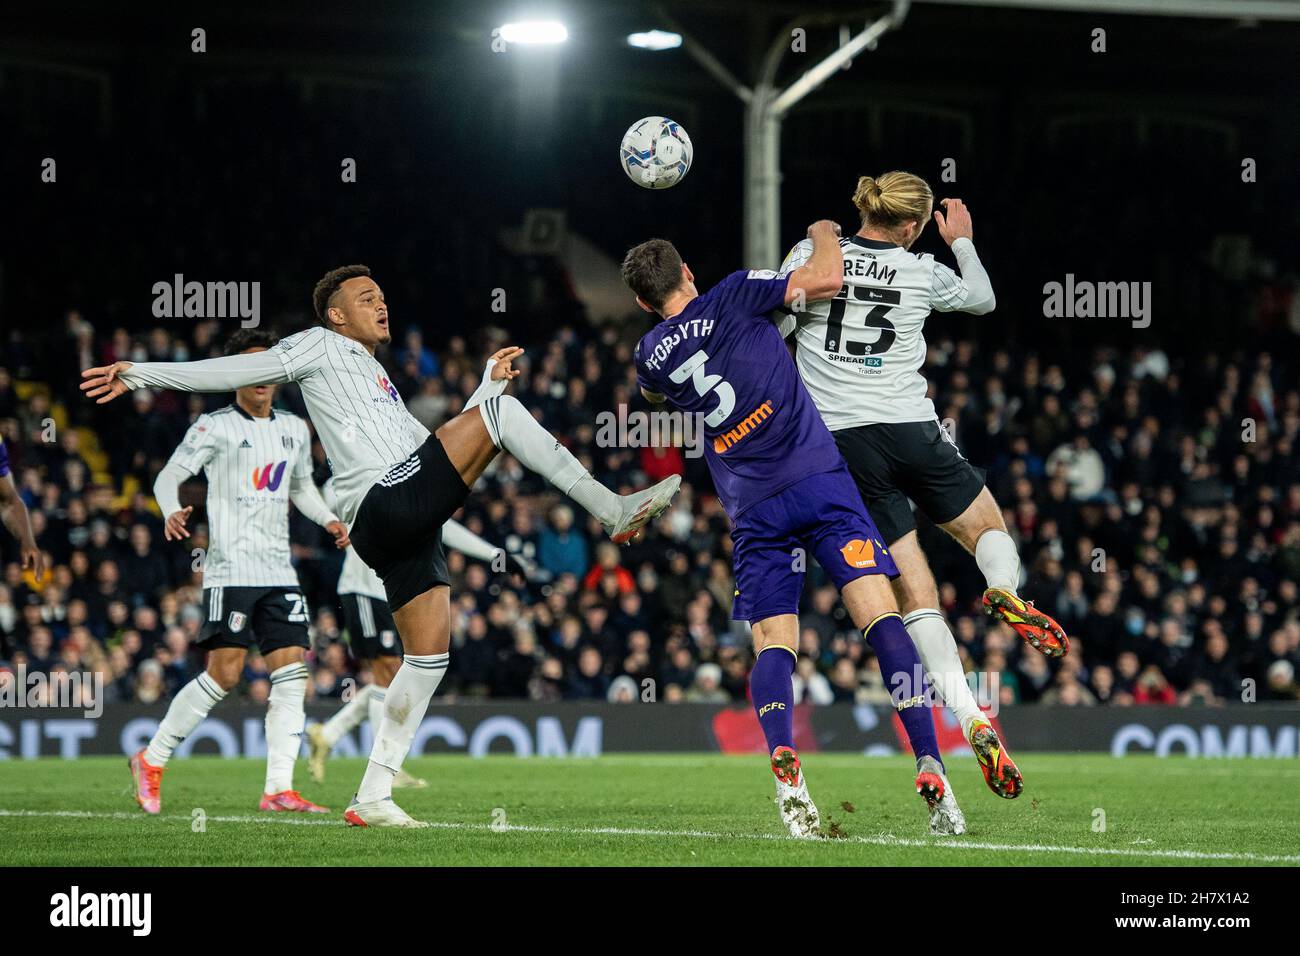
[{"x": 226, "y": 163}]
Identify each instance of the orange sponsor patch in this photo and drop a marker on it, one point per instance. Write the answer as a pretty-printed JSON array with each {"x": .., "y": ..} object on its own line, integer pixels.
[{"x": 859, "y": 554}]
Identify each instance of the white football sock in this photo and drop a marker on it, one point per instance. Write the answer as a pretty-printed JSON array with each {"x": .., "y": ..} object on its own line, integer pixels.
[
  {"x": 376, "y": 708},
  {"x": 285, "y": 718},
  {"x": 996, "y": 555},
  {"x": 405, "y": 702},
  {"x": 513, "y": 429},
  {"x": 191, "y": 704},
  {"x": 348, "y": 717},
  {"x": 938, "y": 652}
]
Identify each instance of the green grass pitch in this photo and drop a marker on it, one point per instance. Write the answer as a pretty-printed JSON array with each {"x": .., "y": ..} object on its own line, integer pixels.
[{"x": 662, "y": 810}]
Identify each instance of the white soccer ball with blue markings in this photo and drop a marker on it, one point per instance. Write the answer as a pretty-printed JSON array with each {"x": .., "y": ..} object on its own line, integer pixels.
[{"x": 656, "y": 152}]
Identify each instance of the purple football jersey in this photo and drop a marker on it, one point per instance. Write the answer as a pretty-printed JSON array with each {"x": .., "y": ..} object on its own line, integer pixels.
[
  {"x": 721, "y": 357},
  {"x": 4, "y": 459}
]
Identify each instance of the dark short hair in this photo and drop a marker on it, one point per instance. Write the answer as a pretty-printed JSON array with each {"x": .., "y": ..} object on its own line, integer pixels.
[
  {"x": 653, "y": 270},
  {"x": 246, "y": 339},
  {"x": 329, "y": 284}
]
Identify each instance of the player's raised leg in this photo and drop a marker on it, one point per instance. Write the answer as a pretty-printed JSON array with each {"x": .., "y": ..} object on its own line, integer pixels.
[
  {"x": 771, "y": 688},
  {"x": 501, "y": 422},
  {"x": 918, "y": 599},
  {"x": 981, "y": 530}
]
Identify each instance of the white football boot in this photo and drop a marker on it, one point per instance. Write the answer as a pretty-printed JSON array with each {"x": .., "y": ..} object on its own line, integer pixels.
[
  {"x": 798, "y": 812},
  {"x": 642, "y": 508},
  {"x": 380, "y": 813},
  {"x": 946, "y": 818}
]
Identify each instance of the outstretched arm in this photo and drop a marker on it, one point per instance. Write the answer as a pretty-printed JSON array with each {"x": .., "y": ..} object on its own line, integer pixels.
[{"x": 209, "y": 375}]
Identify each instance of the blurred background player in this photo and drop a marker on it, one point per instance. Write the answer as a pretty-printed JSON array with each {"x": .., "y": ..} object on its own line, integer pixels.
[
  {"x": 396, "y": 482},
  {"x": 250, "y": 588},
  {"x": 14, "y": 516},
  {"x": 786, "y": 490},
  {"x": 372, "y": 639},
  {"x": 860, "y": 354}
]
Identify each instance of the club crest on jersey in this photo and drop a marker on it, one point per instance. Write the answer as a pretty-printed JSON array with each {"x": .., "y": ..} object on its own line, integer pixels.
[
  {"x": 267, "y": 478},
  {"x": 388, "y": 387},
  {"x": 286, "y": 441},
  {"x": 859, "y": 554},
  {"x": 235, "y": 623}
]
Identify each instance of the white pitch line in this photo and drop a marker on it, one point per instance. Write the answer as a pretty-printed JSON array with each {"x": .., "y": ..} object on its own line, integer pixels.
[{"x": 939, "y": 843}]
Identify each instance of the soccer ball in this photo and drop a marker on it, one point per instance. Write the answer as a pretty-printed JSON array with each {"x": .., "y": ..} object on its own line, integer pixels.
[{"x": 655, "y": 152}]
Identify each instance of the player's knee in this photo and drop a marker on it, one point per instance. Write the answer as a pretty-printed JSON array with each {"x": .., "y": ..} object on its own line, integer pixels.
[
  {"x": 916, "y": 592},
  {"x": 225, "y": 673},
  {"x": 870, "y": 596}
]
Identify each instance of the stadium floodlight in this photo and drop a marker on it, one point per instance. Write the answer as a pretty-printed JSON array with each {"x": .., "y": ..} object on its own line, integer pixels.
[
  {"x": 766, "y": 105},
  {"x": 534, "y": 32},
  {"x": 655, "y": 40}
]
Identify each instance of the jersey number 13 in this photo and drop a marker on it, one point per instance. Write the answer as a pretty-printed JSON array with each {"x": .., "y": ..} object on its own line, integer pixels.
[{"x": 873, "y": 305}]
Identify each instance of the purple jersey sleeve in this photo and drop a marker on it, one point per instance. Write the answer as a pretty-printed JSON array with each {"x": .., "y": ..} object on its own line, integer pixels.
[
  {"x": 4, "y": 460},
  {"x": 756, "y": 292},
  {"x": 643, "y": 379}
]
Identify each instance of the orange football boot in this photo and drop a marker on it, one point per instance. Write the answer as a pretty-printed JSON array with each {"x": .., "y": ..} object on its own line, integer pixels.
[
  {"x": 148, "y": 783},
  {"x": 1000, "y": 771},
  {"x": 1035, "y": 628},
  {"x": 289, "y": 801}
]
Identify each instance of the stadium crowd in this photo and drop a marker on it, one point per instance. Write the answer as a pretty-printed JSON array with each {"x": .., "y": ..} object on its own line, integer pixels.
[{"x": 1156, "y": 504}]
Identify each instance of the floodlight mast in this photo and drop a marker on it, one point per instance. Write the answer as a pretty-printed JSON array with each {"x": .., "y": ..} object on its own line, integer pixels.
[{"x": 765, "y": 108}]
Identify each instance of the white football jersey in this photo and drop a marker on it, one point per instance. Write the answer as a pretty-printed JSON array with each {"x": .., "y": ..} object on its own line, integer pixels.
[
  {"x": 357, "y": 577},
  {"x": 360, "y": 418},
  {"x": 860, "y": 354},
  {"x": 249, "y": 464}
]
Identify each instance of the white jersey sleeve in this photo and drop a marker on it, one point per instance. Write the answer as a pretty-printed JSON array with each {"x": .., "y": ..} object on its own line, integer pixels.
[
  {"x": 302, "y": 353},
  {"x": 302, "y": 463},
  {"x": 787, "y": 321},
  {"x": 199, "y": 446},
  {"x": 799, "y": 255},
  {"x": 223, "y": 374},
  {"x": 971, "y": 291}
]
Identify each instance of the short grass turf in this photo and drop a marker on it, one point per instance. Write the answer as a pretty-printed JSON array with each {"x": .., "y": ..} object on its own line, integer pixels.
[{"x": 662, "y": 810}]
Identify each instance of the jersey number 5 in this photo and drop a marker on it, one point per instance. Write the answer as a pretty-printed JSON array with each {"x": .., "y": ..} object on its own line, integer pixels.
[
  {"x": 862, "y": 296},
  {"x": 693, "y": 368}
]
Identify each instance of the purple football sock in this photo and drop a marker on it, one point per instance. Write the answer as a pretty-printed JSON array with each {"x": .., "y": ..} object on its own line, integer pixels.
[
  {"x": 772, "y": 690},
  {"x": 904, "y": 676}
]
